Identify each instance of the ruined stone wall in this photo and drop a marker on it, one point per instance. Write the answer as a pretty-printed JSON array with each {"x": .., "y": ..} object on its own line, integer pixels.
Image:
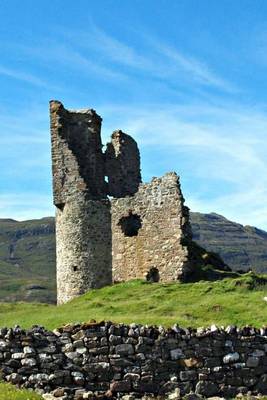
[
  {"x": 77, "y": 158},
  {"x": 142, "y": 232},
  {"x": 85, "y": 361},
  {"x": 122, "y": 165},
  {"x": 148, "y": 231},
  {"x": 83, "y": 227}
]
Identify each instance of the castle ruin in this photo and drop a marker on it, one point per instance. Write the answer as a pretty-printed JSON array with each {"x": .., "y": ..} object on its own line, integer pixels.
[{"x": 111, "y": 227}]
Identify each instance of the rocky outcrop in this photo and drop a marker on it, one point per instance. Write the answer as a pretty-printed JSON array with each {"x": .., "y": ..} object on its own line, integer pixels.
[{"x": 110, "y": 361}]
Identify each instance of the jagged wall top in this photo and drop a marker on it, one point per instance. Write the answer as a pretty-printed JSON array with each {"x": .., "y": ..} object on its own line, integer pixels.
[
  {"x": 122, "y": 165},
  {"x": 77, "y": 157},
  {"x": 78, "y": 162}
]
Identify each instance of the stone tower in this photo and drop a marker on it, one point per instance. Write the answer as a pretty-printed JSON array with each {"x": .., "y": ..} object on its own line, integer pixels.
[
  {"x": 83, "y": 227},
  {"x": 109, "y": 226}
]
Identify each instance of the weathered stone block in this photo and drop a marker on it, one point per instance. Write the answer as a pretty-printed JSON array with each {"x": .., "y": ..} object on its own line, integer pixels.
[
  {"x": 207, "y": 388},
  {"x": 124, "y": 349}
]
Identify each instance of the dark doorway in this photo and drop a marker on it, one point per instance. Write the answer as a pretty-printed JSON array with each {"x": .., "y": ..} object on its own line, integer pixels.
[{"x": 153, "y": 275}]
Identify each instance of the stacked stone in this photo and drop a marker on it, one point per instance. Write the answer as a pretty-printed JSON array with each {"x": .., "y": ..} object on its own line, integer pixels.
[
  {"x": 120, "y": 361},
  {"x": 164, "y": 234}
]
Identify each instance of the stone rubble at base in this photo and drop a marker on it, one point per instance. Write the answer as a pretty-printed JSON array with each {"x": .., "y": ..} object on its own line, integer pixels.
[{"x": 117, "y": 361}]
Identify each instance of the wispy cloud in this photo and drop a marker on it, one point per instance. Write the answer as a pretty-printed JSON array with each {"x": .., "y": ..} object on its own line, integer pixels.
[
  {"x": 59, "y": 54},
  {"x": 220, "y": 151},
  {"x": 154, "y": 57},
  {"x": 22, "y": 76},
  {"x": 218, "y": 147},
  {"x": 198, "y": 70},
  {"x": 74, "y": 59},
  {"x": 94, "y": 52},
  {"x": 116, "y": 50}
]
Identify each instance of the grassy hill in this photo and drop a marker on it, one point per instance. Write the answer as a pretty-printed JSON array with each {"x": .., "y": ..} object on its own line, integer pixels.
[
  {"x": 237, "y": 301},
  {"x": 27, "y": 253}
]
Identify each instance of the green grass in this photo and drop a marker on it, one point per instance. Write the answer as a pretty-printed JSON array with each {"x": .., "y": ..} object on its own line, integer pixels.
[
  {"x": 9, "y": 392},
  {"x": 229, "y": 301}
]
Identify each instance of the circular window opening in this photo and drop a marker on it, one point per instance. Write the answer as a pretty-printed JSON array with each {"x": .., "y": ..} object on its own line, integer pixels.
[{"x": 131, "y": 224}]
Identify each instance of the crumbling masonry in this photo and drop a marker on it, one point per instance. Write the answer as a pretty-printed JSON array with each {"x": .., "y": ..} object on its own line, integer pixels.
[{"x": 110, "y": 227}]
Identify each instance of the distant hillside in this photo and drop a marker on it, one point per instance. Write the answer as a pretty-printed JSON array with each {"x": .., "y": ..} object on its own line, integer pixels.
[
  {"x": 27, "y": 260},
  {"x": 27, "y": 252},
  {"x": 241, "y": 247}
]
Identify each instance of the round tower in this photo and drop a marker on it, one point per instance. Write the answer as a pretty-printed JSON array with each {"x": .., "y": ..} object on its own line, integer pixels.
[{"x": 83, "y": 227}]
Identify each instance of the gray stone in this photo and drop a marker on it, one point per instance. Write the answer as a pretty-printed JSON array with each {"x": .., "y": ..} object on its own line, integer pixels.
[
  {"x": 29, "y": 350},
  {"x": 28, "y": 362},
  {"x": 188, "y": 375},
  {"x": 231, "y": 358},
  {"x": 124, "y": 349},
  {"x": 206, "y": 388},
  {"x": 18, "y": 356},
  {"x": 176, "y": 354},
  {"x": 15, "y": 378},
  {"x": 78, "y": 378},
  {"x": 262, "y": 385},
  {"x": 252, "y": 362}
]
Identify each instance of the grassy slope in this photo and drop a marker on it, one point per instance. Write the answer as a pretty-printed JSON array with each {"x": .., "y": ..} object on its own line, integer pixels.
[
  {"x": 9, "y": 392},
  {"x": 33, "y": 262},
  {"x": 230, "y": 301}
]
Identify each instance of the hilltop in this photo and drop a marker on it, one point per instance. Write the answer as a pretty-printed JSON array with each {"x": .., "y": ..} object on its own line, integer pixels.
[{"x": 27, "y": 252}]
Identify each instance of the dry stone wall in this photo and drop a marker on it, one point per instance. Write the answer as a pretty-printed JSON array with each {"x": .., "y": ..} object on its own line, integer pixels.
[
  {"x": 128, "y": 361},
  {"x": 148, "y": 231}
]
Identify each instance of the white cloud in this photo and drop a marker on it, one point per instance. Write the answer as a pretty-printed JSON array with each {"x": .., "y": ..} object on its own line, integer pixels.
[
  {"x": 199, "y": 70},
  {"x": 154, "y": 57}
]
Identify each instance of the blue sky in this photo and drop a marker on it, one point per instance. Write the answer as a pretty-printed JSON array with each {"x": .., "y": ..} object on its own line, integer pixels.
[{"x": 186, "y": 78}]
